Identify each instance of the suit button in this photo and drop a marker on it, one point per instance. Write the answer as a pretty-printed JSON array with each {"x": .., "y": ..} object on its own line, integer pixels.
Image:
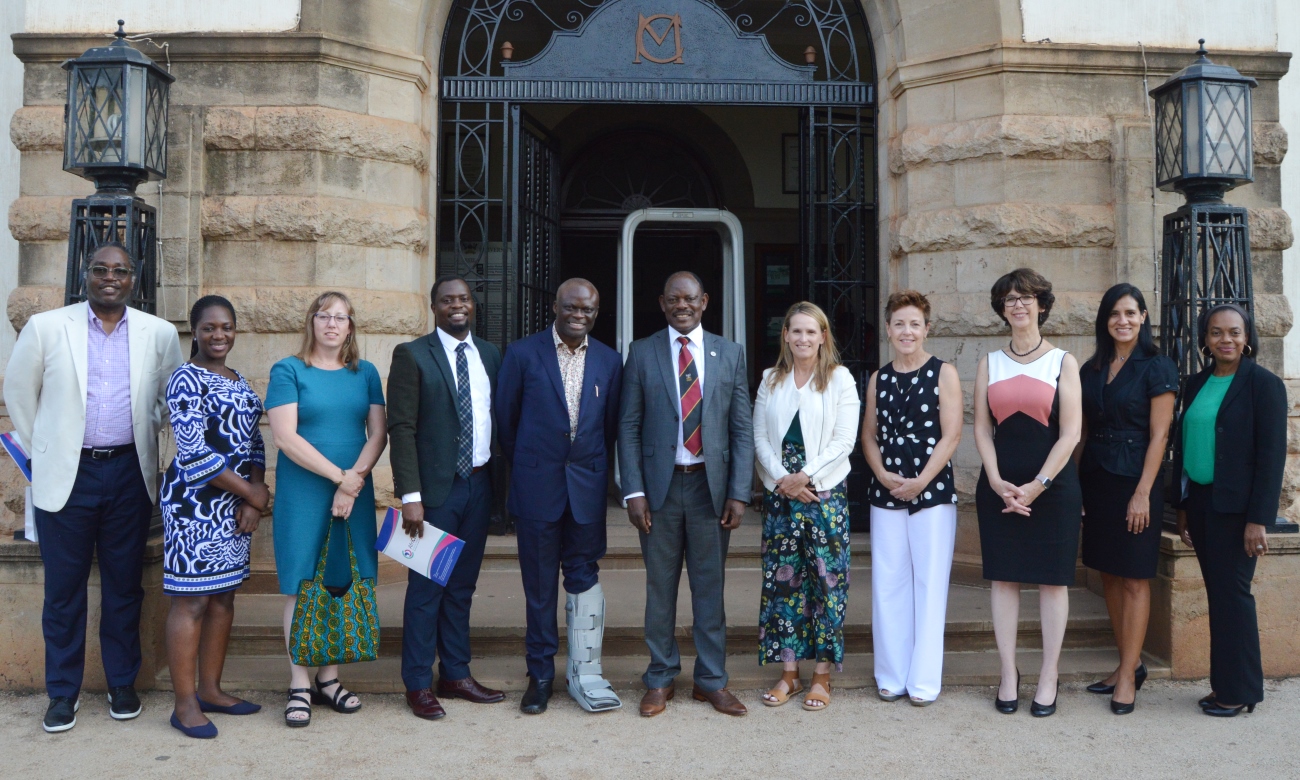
[{"x": 1219, "y": 429}]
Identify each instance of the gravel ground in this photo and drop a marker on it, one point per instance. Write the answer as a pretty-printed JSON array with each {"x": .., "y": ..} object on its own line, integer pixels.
[{"x": 859, "y": 736}]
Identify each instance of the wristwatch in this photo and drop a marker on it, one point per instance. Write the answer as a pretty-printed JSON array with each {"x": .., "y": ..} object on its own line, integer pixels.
[{"x": 1047, "y": 481}]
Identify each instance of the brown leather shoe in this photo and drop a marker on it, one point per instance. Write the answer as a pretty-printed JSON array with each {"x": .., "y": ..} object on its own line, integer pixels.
[
  {"x": 469, "y": 690},
  {"x": 722, "y": 700},
  {"x": 424, "y": 704},
  {"x": 656, "y": 700}
]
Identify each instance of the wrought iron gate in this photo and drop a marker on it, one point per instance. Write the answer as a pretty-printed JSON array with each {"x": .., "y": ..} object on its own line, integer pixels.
[{"x": 535, "y": 216}]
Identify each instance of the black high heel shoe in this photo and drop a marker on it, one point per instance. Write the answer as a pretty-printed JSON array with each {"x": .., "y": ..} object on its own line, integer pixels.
[
  {"x": 1207, "y": 701},
  {"x": 1123, "y": 709},
  {"x": 1043, "y": 710},
  {"x": 1008, "y": 707},
  {"x": 1139, "y": 677},
  {"x": 1219, "y": 711}
]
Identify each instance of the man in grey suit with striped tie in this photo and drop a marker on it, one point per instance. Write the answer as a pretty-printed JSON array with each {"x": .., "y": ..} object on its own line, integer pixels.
[{"x": 686, "y": 456}]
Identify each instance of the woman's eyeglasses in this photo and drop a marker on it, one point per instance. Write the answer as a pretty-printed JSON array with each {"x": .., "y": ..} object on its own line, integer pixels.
[
  {"x": 103, "y": 272},
  {"x": 1010, "y": 301},
  {"x": 337, "y": 319}
]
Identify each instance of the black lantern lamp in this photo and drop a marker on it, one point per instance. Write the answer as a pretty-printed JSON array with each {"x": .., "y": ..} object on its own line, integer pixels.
[
  {"x": 1203, "y": 149},
  {"x": 115, "y": 134}
]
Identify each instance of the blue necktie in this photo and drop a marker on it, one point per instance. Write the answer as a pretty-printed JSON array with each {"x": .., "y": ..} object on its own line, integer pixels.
[{"x": 465, "y": 411}]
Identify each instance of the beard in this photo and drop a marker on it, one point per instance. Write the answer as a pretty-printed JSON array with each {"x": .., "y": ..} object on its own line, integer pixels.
[{"x": 454, "y": 329}]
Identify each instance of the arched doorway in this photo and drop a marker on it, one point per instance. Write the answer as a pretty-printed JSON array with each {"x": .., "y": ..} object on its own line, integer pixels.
[{"x": 524, "y": 202}]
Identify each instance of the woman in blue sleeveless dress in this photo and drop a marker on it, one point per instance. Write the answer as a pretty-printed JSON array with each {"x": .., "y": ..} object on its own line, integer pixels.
[
  {"x": 212, "y": 500},
  {"x": 326, "y": 407}
]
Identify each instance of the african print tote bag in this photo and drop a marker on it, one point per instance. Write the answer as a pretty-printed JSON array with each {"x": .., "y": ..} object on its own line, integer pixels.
[{"x": 330, "y": 629}]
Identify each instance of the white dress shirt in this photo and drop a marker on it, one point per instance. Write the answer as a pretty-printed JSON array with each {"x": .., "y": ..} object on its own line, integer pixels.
[
  {"x": 480, "y": 393},
  {"x": 684, "y": 457}
]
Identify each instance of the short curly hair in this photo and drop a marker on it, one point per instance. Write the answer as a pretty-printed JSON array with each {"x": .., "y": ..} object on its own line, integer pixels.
[
  {"x": 905, "y": 298},
  {"x": 1027, "y": 281}
]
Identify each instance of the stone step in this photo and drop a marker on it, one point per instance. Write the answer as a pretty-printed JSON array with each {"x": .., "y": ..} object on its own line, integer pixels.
[
  {"x": 498, "y": 620},
  {"x": 1078, "y": 665}
]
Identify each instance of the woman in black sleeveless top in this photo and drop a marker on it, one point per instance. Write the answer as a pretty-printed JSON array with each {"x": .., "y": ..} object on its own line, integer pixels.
[
  {"x": 911, "y": 428},
  {"x": 1128, "y": 404}
]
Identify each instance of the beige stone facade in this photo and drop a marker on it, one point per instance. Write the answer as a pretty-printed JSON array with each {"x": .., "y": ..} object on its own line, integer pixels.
[{"x": 307, "y": 160}]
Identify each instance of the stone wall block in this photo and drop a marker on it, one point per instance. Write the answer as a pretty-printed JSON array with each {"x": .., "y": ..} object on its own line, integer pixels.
[
  {"x": 1270, "y": 228},
  {"x": 315, "y": 128},
  {"x": 37, "y": 129},
  {"x": 25, "y": 301},
  {"x": 1006, "y": 224},
  {"x": 280, "y": 310},
  {"x": 1269, "y": 142},
  {"x": 336, "y": 220},
  {"x": 1044, "y": 137},
  {"x": 40, "y": 218},
  {"x": 1273, "y": 316},
  {"x": 955, "y": 314}
]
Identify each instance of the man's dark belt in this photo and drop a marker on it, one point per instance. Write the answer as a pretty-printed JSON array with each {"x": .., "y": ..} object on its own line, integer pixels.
[
  {"x": 1118, "y": 434},
  {"x": 689, "y": 469},
  {"x": 108, "y": 453}
]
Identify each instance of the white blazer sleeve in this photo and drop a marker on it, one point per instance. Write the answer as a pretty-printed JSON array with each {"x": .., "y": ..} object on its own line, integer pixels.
[
  {"x": 847, "y": 411},
  {"x": 764, "y": 452},
  {"x": 23, "y": 379}
]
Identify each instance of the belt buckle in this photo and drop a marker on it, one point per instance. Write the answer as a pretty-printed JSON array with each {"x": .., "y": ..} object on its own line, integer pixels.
[{"x": 101, "y": 453}]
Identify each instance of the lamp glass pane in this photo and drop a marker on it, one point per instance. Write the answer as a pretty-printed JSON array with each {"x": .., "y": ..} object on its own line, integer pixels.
[
  {"x": 135, "y": 102},
  {"x": 1227, "y": 123},
  {"x": 98, "y": 111},
  {"x": 155, "y": 126},
  {"x": 1169, "y": 136},
  {"x": 1195, "y": 131}
]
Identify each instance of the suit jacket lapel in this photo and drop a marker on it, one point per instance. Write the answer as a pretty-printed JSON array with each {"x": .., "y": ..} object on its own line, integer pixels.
[
  {"x": 551, "y": 362},
  {"x": 664, "y": 350},
  {"x": 1238, "y": 382},
  {"x": 440, "y": 360},
  {"x": 136, "y": 338},
  {"x": 78, "y": 331},
  {"x": 711, "y": 368}
]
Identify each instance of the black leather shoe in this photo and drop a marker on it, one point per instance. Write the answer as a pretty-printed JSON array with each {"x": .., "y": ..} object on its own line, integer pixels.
[
  {"x": 1219, "y": 711},
  {"x": 1009, "y": 707},
  {"x": 1122, "y": 709},
  {"x": 1207, "y": 701},
  {"x": 536, "y": 697},
  {"x": 123, "y": 703},
  {"x": 61, "y": 715},
  {"x": 1043, "y": 710},
  {"x": 1139, "y": 677}
]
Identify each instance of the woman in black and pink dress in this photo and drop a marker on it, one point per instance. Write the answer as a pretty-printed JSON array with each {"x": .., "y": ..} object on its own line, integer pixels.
[{"x": 1028, "y": 416}]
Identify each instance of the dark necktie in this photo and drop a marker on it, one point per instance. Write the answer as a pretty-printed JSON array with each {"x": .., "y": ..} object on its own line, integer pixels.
[
  {"x": 465, "y": 411},
  {"x": 688, "y": 382}
]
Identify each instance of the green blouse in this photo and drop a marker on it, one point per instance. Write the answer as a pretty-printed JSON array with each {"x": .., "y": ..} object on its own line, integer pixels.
[{"x": 1198, "y": 430}]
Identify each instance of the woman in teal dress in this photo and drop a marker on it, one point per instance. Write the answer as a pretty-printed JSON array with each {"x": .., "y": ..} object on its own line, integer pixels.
[{"x": 326, "y": 408}]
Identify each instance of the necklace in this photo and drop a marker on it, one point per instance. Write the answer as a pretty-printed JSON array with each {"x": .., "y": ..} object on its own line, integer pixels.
[{"x": 1011, "y": 346}]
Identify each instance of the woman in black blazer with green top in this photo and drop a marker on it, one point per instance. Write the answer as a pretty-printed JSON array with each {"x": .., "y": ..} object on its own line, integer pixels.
[{"x": 1229, "y": 455}]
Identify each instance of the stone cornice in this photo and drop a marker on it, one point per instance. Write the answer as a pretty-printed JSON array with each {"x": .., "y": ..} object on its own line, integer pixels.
[
  {"x": 316, "y": 128},
  {"x": 310, "y": 218},
  {"x": 1073, "y": 59},
  {"x": 242, "y": 47}
]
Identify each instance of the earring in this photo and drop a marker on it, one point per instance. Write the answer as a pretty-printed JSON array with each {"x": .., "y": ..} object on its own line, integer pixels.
[
  {"x": 1248, "y": 351},
  {"x": 1205, "y": 352}
]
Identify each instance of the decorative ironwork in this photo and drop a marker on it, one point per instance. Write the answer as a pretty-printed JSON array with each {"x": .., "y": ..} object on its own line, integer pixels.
[
  {"x": 817, "y": 93},
  {"x": 637, "y": 170},
  {"x": 126, "y": 219},
  {"x": 537, "y": 221},
  {"x": 1206, "y": 263}
]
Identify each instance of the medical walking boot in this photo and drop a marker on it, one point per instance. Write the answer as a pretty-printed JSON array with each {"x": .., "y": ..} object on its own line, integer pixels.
[{"x": 586, "y": 618}]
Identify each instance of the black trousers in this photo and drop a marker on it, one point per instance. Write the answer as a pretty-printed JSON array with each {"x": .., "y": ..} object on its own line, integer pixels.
[
  {"x": 106, "y": 516},
  {"x": 1236, "y": 671}
]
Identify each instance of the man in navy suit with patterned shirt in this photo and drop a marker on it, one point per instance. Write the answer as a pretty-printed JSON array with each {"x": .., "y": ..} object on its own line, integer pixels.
[{"x": 557, "y": 409}]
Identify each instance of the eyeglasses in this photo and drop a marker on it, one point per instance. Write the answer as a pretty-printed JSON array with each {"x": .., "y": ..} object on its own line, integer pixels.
[
  {"x": 337, "y": 319},
  {"x": 586, "y": 311},
  {"x": 1010, "y": 301},
  {"x": 103, "y": 272}
]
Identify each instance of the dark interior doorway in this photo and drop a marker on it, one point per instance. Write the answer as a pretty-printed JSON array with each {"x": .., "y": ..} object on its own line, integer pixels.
[{"x": 656, "y": 254}]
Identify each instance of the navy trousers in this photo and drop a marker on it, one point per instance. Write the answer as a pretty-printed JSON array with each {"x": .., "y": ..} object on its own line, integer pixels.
[
  {"x": 435, "y": 619},
  {"x": 544, "y": 550},
  {"x": 107, "y": 515}
]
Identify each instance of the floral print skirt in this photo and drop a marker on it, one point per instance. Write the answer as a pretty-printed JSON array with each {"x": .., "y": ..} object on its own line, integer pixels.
[{"x": 805, "y": 574}]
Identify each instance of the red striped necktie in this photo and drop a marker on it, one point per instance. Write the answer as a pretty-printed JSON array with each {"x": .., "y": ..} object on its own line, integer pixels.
[{"x": 688, "y": 382}]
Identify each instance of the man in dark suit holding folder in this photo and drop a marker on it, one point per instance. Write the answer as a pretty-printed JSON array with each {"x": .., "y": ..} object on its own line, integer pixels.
[
  {"x": 556, "y": 410},
  {"x": 440, "y": 391}
]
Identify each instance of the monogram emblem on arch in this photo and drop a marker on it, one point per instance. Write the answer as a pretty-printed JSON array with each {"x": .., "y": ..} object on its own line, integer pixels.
[{"x": 645, "y": 27}]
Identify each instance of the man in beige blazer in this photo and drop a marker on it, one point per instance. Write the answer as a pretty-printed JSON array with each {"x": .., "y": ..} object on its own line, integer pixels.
[{"x": 86, "y": 388}]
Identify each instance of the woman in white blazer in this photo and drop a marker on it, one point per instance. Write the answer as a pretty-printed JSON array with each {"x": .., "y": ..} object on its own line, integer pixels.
[
  {"x": 805, "y": 426},
  {"x": 910, "y": 430}
]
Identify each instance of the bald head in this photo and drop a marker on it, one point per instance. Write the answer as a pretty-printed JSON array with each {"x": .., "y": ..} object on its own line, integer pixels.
[{"x": 577, "y": 303}]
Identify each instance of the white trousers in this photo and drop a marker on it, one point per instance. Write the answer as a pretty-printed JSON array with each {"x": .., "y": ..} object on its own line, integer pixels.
[{"x": 911, "y": 560}]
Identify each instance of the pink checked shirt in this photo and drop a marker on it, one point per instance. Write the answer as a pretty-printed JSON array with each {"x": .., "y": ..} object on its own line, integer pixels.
[{"x": 108, "y": 385}]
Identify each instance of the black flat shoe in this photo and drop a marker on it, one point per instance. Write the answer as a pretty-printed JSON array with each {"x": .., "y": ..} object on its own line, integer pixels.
[
  {"x": 1008, "y": 707},
  {"x": 1139, "y": 677},
  {"x": 1219, "y": 711},
  {"x": 536, "y": 697},
  {"x": 1043, "y": 710}
]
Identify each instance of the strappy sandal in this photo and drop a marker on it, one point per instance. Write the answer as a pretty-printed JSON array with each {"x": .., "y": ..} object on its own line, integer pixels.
[
  {"x": 791, "y": 680},
  {"x": 295, "y": 695},
  {"x": 824, "y": 680},
  {"x": 341, "y": 694}
]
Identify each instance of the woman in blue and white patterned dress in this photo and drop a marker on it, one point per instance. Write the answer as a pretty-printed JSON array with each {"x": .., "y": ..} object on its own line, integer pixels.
[{"x": 212, "y": 500}]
